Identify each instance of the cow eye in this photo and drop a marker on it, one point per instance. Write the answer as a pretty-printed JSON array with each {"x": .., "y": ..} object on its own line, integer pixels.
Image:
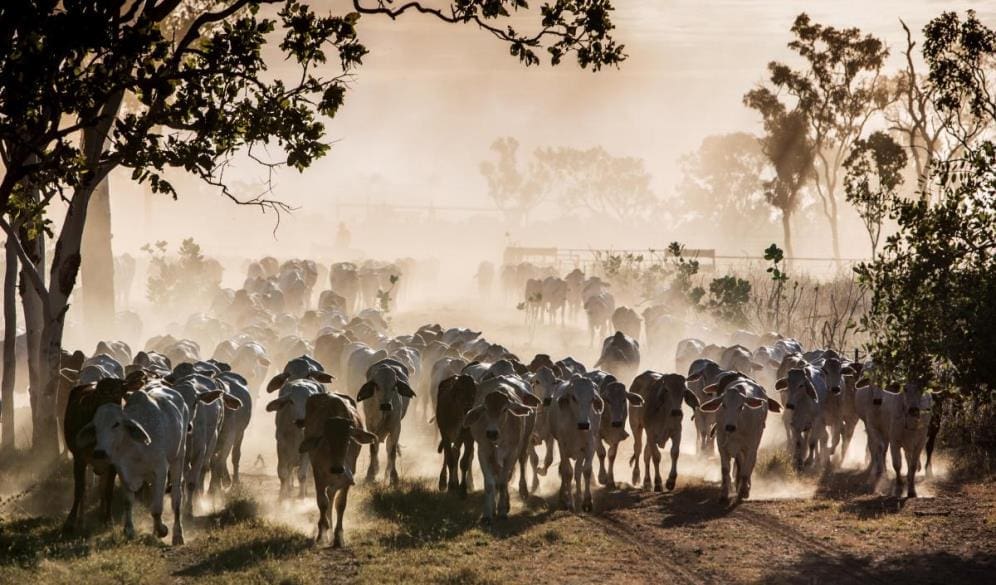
[{"x": 115, "y": 425}]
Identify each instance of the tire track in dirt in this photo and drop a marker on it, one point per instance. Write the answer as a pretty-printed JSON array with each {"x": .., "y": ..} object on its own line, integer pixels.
[{"x": 610, "y": 525}]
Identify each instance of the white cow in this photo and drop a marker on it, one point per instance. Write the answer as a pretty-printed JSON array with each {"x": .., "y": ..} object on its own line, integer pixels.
[{"x": 576, "y": 420}]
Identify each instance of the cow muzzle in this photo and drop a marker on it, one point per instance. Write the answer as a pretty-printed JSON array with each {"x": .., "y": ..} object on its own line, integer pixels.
[
  {"x": 299, "y": 423},
  {"x": 835, "y": 390},
  {"x": 491, "y": 434},
  {"x": 913, "y": 411},
  {"x": 675, "y": 412},
  {"x": 789, "y": 406},
  {"x": 584, "y": 426},
  {"x": 547, "y": 401},
  {"x": 730, "y": 428},
  {"x": 337, "y": 470},
  {"x": 877, "y": 401},
  {"x": 386, "y": 407},
  {"x": 99, "y": 454},
  {"x": 617, "y": 424}
]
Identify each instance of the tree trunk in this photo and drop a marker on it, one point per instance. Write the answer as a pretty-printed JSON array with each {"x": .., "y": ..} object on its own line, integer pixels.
[
  {"x": 34, "y": 323},
  {"x": 787, "y": 235},
  {"x": 834, "y": 220},
  {"x": 97, "y": 267},
  {"x": 9, "y": 348}
]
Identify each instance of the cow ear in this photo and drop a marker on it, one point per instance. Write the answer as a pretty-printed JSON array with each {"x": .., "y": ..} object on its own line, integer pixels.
[
  {"x": 323, "y": 377},
  {"x": 756, "y": 366},
  {"x": 263, "y": 361},
  {"x": 276, "y": 382},
  {"x": 405, "y": 390},
  {"x": 231, "y": 402},
  {"x": 530, "y": 399},
  {"x": 634, "y": 398},
  {"x": 472, "y": 415},
  {"x": 811, "y": 390},
  {"x": 87, "y": 436},
  {"x": 361, "y": 436},
  {"x": 209, "y": 396},
  {"x": 691, "y": 399},
  {"x": 275, "y": 405},
  {"x": 366, "y": 391},
  {"x": 781, "y": 384},
  {"x": 712, "y": 405},
  {"x": 892, "y": 388},
  {"x": 519, "y": 409},
  {"x": 848, "y": 371},
  {"x": 564, "y": 400},
  {"x": 711, "y": 389},
  {"x": 136, "y": 432},
  {"x": 69, "y": 375},
  {"x": 774, "y": 406},
  {"x": 308, "y": 444},
  {"x": 694, "y": 377},
  {"x": 754, "y": 402},
  {"x": 598, "y": 404},
  {"x": 136, "y": 380},
  {"x": 862, "y": 383}
]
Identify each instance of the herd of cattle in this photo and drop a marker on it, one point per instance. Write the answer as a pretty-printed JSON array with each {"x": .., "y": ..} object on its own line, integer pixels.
[{"x": 166, "y": 418}]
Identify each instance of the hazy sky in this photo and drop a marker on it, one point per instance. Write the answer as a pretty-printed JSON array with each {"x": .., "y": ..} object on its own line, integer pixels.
[{"x": 431, "y": 98}]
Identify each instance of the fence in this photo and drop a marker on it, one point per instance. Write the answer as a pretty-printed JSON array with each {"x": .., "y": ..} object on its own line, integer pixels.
[{"x": 564, "y": 259}]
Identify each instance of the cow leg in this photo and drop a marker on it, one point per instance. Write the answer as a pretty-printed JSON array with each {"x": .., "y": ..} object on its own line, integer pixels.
[
  {"x": 374, "y": 468},
  {"x": 912, "y": 461},
  {"x": 603, "y": 476},
  {"x": 637, "y": 448},
  {"x": 724, "y": 470},
  {"x": 236, "y": 457},
  {"x": 107, "y": 494},
  {"x": 158, "y": 495},
  {"x": 448, "y": 458},
  {"x": 489, "y": 490},
  {"x": 932, "y": 429},
  {"x": 746, "y": 472},
  {"x": 284, "y": 473},
  {"x": 302, "y": 476},
  {"x": 324, "y": 510},
  {"x": 534, "y": 463},
  {"x": 586, "y": 503},
  {"x": 176, "y": 494},
  {"x": 392, "y": 459},
  {"x": 613, "y": 450},
  {"x": 672, "y": 477},
  {"x": 466, "y": 479},
  {"x": 848, "y": 432},
  {"x": 548, "y": 459},
  {"x": 129, "y": 523},
  {"x": 566, "y": 499},
  {"x": 341, "y": 497},
  {"x": 523, "y": 465},
  {"x": 652, "y": 452},
  {"x": 74, "y": 521},
  {"x": 897, "y": 465},
  {"x": 504, "y": 476}
]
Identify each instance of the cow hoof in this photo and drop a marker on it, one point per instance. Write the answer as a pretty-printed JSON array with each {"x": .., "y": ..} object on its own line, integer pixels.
[
  {"x": 337, "y": 542},
  {"x": 541, "y": 471},
  {"x": 911, "y": 493},
  {"x": 670, "y": 483},
  {"x": 587, "y": 507},
  {"x": 161, "y": 531},
  {"x": 603, "y": 478},
  {"x": 177, "y": 539},
  {"x": 486, "y": 520},
  {"x": 658, "y": 487}
]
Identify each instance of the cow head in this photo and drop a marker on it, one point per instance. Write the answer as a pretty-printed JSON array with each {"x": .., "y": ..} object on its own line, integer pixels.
[
  {"x": 582, "y": 399},
  {"x": 109, "y": 431},
  {"x": 617, "y": 401},
  {"x": 915, "y": 402},
  {"x": 387, "y": 386},
  {"x": 341, "y": 437},
  {"x": 294, "y": 398},
  {"x": 493, "y": 414},
  {"x": 731, "y": 404}
]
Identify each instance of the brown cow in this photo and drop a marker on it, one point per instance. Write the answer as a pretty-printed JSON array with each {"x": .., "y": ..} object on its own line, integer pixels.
[{"x": 333, "y": 434}]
